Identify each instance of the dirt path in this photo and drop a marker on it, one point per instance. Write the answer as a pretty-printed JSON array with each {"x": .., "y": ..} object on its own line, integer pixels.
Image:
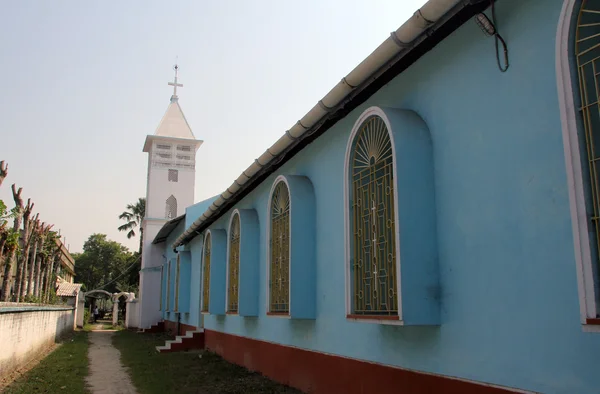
[{"x": 106, "y": 373}]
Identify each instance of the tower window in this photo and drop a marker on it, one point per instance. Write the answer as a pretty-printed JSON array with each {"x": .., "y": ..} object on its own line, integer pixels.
[
  {"x": 183, "y": 157},
  {"x": 173, "y": 176},
  {"x": 171, "y": 207},
  {"x": 162, "y": 146},
  {"x": 184, "y": 148}
]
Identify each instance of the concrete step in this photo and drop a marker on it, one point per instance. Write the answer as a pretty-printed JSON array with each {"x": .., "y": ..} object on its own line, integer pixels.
[{"x": 190, "y": 340}]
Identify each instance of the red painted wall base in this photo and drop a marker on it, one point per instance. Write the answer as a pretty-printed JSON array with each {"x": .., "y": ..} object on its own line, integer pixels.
[
  {"x": 171, "y": 328},
  {"x": 158, "y": 327},
  {"x": 317, "y": 373}
]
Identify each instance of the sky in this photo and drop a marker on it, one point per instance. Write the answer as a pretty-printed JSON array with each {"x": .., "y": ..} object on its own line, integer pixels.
[{"x": 83, "y": 83}]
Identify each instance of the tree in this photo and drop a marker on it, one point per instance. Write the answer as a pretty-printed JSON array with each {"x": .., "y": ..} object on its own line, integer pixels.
[
  {"x": 33, "y": 241},
  {"x": 24, "y": 256},
  {"x": 3, "y": 171},
  {"x": 8, "y": 237},
  {"x": 134, "y": 216},
  {"x": 103, "y": 264},
  {"x": 43, "y": 234},
  {"x": 10, "y": 256}
]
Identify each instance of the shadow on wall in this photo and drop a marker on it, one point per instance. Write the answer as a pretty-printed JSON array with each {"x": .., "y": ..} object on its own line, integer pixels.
[{"x": 64, "y": 324}]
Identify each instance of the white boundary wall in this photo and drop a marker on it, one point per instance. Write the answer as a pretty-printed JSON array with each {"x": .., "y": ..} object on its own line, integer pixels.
[{"x": 26, "y": 330}]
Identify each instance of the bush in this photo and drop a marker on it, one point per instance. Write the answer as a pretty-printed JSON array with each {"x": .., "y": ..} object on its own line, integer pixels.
[
  {"x": 32, "y": 299},
  {"x": 86, "y": 316}
]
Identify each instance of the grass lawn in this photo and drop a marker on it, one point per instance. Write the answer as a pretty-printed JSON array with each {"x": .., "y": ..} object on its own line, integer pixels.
[
  {"x": 186, "y": 372},
  {"x": 62, "y": 371}
]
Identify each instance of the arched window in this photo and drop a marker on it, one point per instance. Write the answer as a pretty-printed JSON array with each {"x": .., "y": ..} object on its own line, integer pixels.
[
  {"x": 279, "y": 270},
  {"x": 171, "y": 207},
  {"x": 234, "y": 265},
  {"x": 373, "y": 269},
  {"x": 206, "y": 273},
  {"x": 587, "y": 56}
]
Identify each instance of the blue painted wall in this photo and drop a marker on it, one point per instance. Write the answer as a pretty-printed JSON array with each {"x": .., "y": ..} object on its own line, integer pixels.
[
  {"x": 170, "y": 255},
  {"x": 249, "y": 281},
  {"x": 195, "y": 211},
  {"x": 218, "y": 272},
  {"x": 185, "y": 272},
  {"x": 195, "y": 247},
  {"x": 509, "y": 305}
]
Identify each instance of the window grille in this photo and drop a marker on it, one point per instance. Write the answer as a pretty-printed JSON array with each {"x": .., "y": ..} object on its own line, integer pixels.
[
  {"x": 164, "y": 155},
  {"x": 587, "y": 50},
  {"x": 171, "y": 207},
  {"x": 234, "y": 264},
  {"x": 173, "y": 176},
  {"x": 373, "y": 245},
  {"x": 162, "y": 146},
  {"x": 183, "y": 157},
  {"x": 280, "y": 250},
  {"x": 184, "y": 148},
  {"x": 206, "y": 273}
]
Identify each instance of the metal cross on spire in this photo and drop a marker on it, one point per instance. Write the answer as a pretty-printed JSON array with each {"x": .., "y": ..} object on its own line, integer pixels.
[{"x": 174, "y": 83}]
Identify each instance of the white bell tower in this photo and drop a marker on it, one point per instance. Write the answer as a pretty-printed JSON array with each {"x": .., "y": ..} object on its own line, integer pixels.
[{"x": 170, "y": 189}]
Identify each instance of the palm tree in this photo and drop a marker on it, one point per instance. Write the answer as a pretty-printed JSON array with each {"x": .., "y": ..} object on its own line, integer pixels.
[{"x": 133, "y": 216}]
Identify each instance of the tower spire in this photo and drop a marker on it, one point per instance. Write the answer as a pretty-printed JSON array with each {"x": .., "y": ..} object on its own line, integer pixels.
[{"x": 175, "y": 84}]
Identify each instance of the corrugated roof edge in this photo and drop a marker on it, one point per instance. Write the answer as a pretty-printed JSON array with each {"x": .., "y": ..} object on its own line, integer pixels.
[{"x": 166, "y": 229}]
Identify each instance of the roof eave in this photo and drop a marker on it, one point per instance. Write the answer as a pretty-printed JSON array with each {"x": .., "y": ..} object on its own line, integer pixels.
[{"x": 167, "y": 229}]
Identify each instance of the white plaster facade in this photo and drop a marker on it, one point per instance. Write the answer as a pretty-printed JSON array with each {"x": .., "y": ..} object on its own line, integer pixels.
[{"x": 170, "y": 189}]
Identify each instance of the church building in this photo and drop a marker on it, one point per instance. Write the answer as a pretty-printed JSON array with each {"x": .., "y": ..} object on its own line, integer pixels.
[{"x": 430, "y": 225}]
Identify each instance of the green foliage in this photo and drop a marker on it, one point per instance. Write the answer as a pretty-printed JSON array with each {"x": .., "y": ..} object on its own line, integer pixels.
[
  {"x": 86, "y": 316},
  {"x": 52, "y": 297},
  {"x": 5, "y": 214},
  {"x": 11, "y": 236},
  {"x": 50, "y": 246},
  {"x": 101, "y": 262},
  {"x": 12, "y": 239},
  {"x": 133, "y": 217},
  {"x": 32, "y": 299}
]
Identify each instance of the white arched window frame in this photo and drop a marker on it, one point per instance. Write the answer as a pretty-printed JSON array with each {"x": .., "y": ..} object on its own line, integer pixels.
[
  {"x": 351, "y": 312},
  {"x": 567, "y": 81},
  {"x": 279, "y": 248}
]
